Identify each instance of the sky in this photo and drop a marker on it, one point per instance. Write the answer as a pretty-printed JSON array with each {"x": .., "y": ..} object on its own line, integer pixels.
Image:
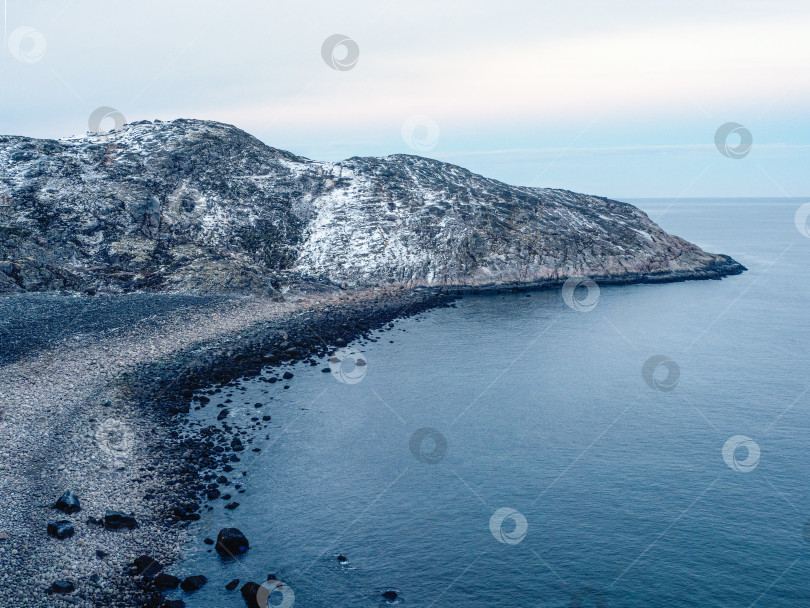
[{"x": 624, "y": 98}]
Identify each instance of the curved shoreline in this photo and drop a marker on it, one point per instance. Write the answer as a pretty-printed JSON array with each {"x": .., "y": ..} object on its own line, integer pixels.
[{"x": 147, "y": 384}]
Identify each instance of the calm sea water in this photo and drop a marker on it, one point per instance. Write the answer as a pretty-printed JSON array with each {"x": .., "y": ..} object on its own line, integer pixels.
[{"x": 626, "y": 494}]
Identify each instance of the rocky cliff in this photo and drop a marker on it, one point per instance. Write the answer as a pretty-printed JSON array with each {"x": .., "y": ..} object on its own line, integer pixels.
[{"x": 204, "y": 207}]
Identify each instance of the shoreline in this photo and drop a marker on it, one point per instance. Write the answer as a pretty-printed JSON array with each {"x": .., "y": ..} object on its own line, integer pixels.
[
  {"x": 65, "y": 397},
  {"x": 139, "y": 380}
]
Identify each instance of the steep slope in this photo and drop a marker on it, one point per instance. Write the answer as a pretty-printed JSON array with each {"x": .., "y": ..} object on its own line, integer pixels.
[{"x": 201, "y": 206}]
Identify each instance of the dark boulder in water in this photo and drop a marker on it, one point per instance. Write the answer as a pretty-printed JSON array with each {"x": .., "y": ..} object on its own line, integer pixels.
[
  {"x": 192, "y": 583},
  {"x": 287, "y": 375},
  {"x": 231, "y": 542},
  {"x": 390, "y": 595},
  {"x": 250, "y": 591},
  {"x": 68, "y": 503},
  {"x": 232, "y": 585},
  {"x": 165, "y": 582}
]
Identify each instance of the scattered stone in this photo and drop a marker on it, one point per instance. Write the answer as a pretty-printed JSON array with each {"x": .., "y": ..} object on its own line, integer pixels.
[
  {"x": 232, "y": 505},
  {"x": 208, "y": 541},
  {"x": 62, "y": 587},
  {"x": 390, "y": 595},
  {"x": 101, "y": 554},
  {"x": 164, "y": 582},
  {"x": 223, "y": 414},
  {"x": 68, "y": 503},
  {"x": 116, "y": 520},
  {"x": 192, "y": 583},
  {"x": 61, "y": 529},
  {"x": 147, "y": 566},
  {"x": 287, "y": 375},
  {"x": 232, "y": 585},
  {"x": 174, "y": 604},
  {"x": 250, "y": 592},
  {"x": 342, "y": 558},
  {"x": 231, "y": 542}
]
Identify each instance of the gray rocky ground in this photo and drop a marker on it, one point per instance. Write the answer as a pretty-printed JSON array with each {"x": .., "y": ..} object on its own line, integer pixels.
[{"x": 71, "y": 419}]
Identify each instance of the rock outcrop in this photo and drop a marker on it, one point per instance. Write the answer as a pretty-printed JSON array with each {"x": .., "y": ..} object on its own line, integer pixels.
[{"x": 201, "y": 206}]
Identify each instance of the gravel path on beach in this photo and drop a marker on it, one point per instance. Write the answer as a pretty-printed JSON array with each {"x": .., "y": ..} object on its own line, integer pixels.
[{"x": 58, "y": 402}]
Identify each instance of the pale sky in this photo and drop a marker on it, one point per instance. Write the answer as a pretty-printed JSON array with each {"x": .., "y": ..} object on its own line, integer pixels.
[{"x": 621, "y": 99}]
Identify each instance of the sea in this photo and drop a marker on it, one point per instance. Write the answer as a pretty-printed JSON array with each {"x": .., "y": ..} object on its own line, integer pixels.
[{"x": 613, "y": 446}]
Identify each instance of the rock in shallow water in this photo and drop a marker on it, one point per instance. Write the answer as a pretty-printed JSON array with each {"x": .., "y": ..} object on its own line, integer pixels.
[
  {"x": 165, "y": 582},
  {"x": 250, "y": 591},
  {"x": 232, "y": 585},
  {"x": 68, "y": 503},
  {"x": 192, "y": 583},
  {"x": 231, "y": 542}
]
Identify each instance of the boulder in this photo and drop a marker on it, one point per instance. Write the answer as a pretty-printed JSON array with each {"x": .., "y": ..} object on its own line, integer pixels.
[
  {"x": 147, "y": 566},
  {"x": 192, "y": 583},
  {"x": 116, "y": 520},
  {"x": 250, "y": 592},
  {"x": 165, "y": 582},
  {"x": 68, "y": 503},
  {"x": 231, "y": 542},
  {"x": 61, "y": 529}
]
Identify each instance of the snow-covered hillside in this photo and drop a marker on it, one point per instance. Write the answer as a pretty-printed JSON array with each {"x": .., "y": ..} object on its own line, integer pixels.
[{"x": 201, "y": 206}]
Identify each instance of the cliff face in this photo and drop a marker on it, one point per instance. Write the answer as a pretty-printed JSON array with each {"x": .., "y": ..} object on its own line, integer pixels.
[{"x": 202, "y": 206}]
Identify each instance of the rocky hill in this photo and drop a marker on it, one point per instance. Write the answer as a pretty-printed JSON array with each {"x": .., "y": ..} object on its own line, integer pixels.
[{"x": 198, "y": 206}]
